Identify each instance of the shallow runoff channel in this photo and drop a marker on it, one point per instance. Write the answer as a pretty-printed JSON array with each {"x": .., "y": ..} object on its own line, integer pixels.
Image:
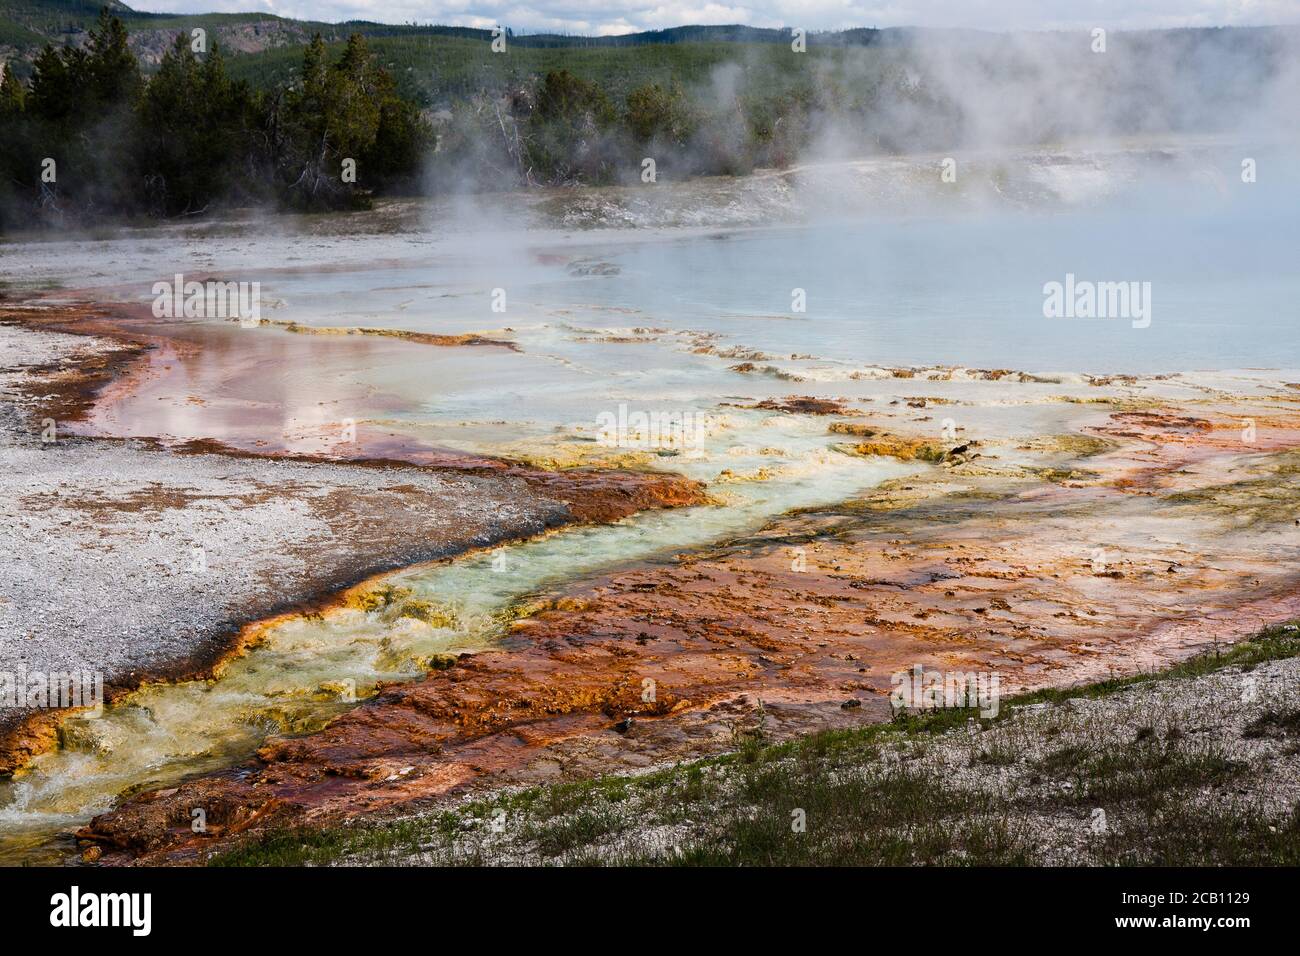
[{"x": 310, "y": 668}]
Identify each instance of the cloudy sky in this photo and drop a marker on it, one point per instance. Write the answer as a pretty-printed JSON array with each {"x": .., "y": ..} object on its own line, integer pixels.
[{"x": 623, "y": 16}]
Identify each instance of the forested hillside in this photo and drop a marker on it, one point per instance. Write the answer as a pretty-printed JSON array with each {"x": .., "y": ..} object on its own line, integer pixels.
[
  {"x": 89, "y": 136},
  {"x": 142, "y": 115}
]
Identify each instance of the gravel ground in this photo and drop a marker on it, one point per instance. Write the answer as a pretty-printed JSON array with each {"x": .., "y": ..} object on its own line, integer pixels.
[
  {"x": 130, "y": 561},
  {"x": 1045, "y": 744}
]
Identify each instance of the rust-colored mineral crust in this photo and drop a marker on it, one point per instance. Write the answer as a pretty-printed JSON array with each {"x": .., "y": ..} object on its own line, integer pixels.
[
  {"x": 1042, "y": 579},
  {"x": 393, "y": 524}
]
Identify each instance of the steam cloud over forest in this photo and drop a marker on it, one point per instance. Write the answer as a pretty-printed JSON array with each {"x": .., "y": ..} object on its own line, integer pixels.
[{"x": 118, "y": 123}]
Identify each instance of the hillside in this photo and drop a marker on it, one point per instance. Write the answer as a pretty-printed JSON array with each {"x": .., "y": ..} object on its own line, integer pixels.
[
  {"x": 28, "y": 24},
  {"x": 430, "y": 63},
  {"x": 434, "y": 65},
  {"x": 554, "y": 110},
  {"x": 34, "y": 22}
]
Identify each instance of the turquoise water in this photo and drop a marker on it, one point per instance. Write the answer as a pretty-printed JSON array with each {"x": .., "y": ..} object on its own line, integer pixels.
[{"x": 961, "y": 287}]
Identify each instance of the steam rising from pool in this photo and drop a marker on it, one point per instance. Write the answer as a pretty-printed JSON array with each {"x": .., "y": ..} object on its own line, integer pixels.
[{"x": 693, "y": 319}]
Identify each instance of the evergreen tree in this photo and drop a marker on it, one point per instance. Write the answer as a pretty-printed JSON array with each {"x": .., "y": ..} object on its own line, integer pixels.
[
  {"x": 566, "y": 130},
  {"x": 190, "y": 136},
  {"x": 57, "y": 78},
  {"x": 112, "y": 74},
  {"x": 354, "y": 106},
  {"x": 196, "y": 132},
  {"x": 346, "y": 111},
  {"x": 659, "y": 115},
  {"x": 13, "y": 95}
]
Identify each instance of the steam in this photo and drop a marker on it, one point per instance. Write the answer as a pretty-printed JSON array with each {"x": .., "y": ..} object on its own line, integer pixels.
[
  {"x": 944, "y": 90},
  {"x": 925, "y": 91}
]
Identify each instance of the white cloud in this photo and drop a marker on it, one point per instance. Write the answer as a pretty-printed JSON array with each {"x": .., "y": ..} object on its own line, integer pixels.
[{"x": 623, "y": 16}]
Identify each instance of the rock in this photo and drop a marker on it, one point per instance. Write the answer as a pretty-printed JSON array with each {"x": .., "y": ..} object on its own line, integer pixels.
[
  {"x": 1035, "y": 708},
  {"x": 850, "y": 704}
]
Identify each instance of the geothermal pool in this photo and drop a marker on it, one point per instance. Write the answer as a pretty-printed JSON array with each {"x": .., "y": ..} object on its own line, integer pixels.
[{"x": 683, "y": 315}]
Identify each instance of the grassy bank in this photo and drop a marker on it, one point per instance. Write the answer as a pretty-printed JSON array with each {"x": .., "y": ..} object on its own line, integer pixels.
[{"x": 1188, "y": 766}]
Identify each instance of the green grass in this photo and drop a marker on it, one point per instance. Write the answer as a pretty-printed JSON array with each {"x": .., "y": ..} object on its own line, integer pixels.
[
  {"x": 1275, "y": 724},
  {"x": 1181, "y": 835},
  {"x": 860, "y": 808},
  {"x": 1143, "y": 772}
]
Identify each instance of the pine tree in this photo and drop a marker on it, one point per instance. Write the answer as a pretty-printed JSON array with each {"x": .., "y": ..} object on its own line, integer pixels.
[
  {"x": 189, "y": 136},
  {"x": 193, "y": 135},
  {"x": 13, "y": 95},
  {"x": 112, "y": 71},
  {"x": 56, "y": 79}
]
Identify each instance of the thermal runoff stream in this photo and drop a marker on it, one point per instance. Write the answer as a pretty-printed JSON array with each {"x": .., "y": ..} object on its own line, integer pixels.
[
  {"x": 307, "y": 669},
  {"x": 752, "y": 335}
]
